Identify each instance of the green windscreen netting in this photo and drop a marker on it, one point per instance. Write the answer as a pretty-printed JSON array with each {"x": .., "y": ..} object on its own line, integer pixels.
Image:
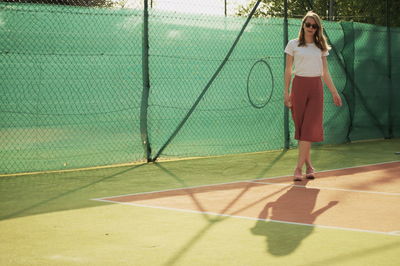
[{"x": 72, "y": 85}]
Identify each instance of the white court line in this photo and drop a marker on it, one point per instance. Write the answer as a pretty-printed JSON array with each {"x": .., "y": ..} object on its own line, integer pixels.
[
  {"x": 330, "y": 188},
  {"x": 394, "y": 233},
  {"x": 360, "y": 166},
  {"x": 235, "y": 182}
]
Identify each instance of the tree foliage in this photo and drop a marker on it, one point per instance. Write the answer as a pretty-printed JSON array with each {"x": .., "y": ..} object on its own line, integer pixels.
[
  {"x": 366, "y": 11},
  {"x": 100, "y": 3}
]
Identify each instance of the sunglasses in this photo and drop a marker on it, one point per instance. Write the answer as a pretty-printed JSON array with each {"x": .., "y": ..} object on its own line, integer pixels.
[{"x": 309, "y": 25}]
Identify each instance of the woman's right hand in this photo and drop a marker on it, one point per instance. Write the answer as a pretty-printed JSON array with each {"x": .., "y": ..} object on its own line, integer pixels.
[
  {"x": 336, "y": 98},
  {"x": 288, "y": 101}
]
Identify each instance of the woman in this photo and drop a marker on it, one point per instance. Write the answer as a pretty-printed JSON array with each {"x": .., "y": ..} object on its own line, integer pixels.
[{"x": 308, "y": 55}]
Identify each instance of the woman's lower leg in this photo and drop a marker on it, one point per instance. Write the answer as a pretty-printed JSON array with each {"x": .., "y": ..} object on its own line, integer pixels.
[
  {"x": 308, "y": 160},
  {"x": 304, "y": 154}
]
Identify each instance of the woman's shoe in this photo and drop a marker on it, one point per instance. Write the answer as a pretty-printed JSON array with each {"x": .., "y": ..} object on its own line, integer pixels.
[
  {"x": 297, "y": 176},
  {"x": 310, "y": 173}
]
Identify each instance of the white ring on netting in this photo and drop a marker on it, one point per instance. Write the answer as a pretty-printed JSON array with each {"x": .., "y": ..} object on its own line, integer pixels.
[{"x": 259, "y": 106}]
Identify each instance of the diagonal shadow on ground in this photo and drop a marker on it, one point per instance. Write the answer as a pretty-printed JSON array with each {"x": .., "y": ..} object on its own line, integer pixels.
[{"x": 211, "y": 221}]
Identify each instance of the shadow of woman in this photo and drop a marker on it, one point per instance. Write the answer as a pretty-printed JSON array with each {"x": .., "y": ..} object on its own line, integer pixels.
[{"x": 295, "y": 206}]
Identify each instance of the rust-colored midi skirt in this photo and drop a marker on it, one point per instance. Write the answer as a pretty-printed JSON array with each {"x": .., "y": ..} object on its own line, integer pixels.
[{"x": 307, "y": 98}]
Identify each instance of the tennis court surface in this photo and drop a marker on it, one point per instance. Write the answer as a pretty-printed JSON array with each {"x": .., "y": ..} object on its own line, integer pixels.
[{"x": 364, "y": 198}]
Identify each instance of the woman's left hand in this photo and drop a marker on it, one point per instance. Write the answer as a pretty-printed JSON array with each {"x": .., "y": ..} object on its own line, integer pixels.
[{"x": 336, "y": 99}]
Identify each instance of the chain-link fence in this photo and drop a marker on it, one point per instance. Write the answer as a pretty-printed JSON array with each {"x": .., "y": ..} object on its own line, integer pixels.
[{"x": 100, "y": 82}]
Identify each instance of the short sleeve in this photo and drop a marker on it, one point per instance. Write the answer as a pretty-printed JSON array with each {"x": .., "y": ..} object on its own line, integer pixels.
[{"x": 289, "y": 48}]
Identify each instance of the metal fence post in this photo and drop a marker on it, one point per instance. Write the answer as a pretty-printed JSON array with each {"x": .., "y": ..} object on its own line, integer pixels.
[
  {"x": 146, "y": 83},
  {"x": 285, "y": 41},
  {"x": 389, "y": 62}
]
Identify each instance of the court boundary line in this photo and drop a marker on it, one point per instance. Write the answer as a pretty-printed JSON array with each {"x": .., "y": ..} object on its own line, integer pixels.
[
  {"x": 393, "y": 233},
  {"x": 259, "y": 181},
  {"x": 235, "y": 182},
  {"x": 331, "y": 188}
]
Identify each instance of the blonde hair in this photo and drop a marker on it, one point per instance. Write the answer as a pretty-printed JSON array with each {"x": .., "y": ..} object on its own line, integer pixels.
[{"x": 319, "y": 37}]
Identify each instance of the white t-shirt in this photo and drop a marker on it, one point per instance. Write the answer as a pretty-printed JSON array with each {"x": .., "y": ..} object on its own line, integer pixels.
[{"x": 307, "y": 59}]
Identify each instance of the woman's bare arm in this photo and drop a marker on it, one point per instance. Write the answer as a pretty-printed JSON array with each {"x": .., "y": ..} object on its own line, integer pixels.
[
  {"x": 288, "y": 79},
  {"x": 328, "y": 81}
]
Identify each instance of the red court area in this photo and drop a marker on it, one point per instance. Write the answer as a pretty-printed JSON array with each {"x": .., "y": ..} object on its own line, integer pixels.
[{"x": 361, "y": 198}]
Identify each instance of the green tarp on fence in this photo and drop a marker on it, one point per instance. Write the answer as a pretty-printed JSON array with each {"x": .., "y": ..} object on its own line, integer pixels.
[{"x": 71, "y": 85}]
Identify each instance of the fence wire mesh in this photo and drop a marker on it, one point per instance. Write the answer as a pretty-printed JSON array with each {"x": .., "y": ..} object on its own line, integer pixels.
[{"x": 72, "y": 77}]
